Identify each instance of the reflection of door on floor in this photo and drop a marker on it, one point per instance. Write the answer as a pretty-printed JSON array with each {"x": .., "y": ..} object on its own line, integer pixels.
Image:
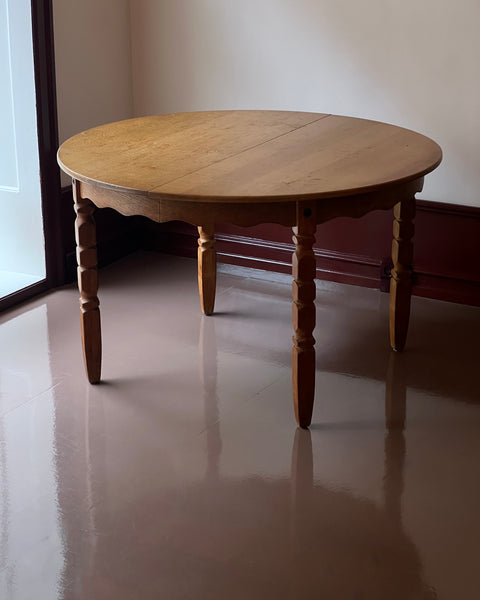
[{"x": 22, "y": 251}]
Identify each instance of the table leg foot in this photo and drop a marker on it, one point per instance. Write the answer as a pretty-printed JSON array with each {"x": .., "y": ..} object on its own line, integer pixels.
[
  {"x": 207, "y": 268},
  {"x": 401, "y": 282},
  {"x": 85, "y": 235},
  {"x": 303, "y": 314}
]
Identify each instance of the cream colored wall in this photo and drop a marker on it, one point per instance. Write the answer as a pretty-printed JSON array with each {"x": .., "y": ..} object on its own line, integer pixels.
[
  {"x": 93, "y": 64},
  {"x": 410, "y": 63}
]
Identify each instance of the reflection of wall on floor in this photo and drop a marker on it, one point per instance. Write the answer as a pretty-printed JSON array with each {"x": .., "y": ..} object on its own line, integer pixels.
[
  {"x": 11, "y": 281},
  {"x": 291, "y": 535},
  {"x": 354, "y": 251},
  {"x": 28, "y": 486}
]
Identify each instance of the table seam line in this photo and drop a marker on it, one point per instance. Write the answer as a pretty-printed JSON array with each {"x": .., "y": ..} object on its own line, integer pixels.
[{"x": 158, "y": 187}]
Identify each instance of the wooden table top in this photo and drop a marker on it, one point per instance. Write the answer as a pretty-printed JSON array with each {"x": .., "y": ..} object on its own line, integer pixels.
[{"x": 248, "y": 156}]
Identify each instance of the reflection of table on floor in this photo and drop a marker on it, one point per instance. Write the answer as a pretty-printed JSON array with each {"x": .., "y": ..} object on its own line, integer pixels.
[{"x": 246, "y": 168}]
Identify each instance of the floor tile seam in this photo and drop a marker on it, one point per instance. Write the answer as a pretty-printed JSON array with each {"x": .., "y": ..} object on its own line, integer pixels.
[
  {"x": 225, "y": 290},
  {"x": 271, "y": 362},
  {"x": 269, "y": 385},
  {"x": 31, "y": 399},
  {"x": 22, "y": 404},
  {"x": 247, "y": 400}
]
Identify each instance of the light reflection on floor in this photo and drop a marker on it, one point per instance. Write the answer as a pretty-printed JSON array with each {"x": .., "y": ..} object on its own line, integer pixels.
[
  {"x": 12, "y": 281},
  {"x": 182, "y": 475},
  {"x": 31, "y": 552}
]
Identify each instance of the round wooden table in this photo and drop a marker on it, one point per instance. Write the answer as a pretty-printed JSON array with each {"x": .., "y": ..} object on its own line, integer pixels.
[{"x": 249, "y": 167}]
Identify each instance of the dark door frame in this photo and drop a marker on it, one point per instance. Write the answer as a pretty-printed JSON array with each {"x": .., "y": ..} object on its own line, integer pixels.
[{"x": 47, "y": 127}]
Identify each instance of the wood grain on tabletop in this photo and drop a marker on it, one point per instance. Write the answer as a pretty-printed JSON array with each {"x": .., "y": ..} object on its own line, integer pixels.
[{"x": 235, "y": 155}]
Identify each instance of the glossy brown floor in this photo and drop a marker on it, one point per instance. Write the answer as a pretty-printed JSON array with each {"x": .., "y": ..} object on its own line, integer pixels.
[{"x": 183, "y": 475}]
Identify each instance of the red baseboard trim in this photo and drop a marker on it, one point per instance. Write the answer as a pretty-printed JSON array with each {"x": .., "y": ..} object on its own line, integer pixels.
[
  {"x": 277, "y": 256},
  {"x": 355, "y": 251}
]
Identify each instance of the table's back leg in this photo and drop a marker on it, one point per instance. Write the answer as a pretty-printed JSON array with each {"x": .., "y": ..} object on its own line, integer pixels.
[
  {"x": 401, "y": 282},
  {"x": 303, "y": 313},
  {"x": 85, "y": 235},
  {"x": 207, "y": 268}
]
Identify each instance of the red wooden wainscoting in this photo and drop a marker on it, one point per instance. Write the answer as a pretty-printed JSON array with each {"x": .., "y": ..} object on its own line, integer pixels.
[{"x": 354, "y": 251}]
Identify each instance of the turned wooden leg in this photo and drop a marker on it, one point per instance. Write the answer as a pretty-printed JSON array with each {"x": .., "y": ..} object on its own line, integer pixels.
[
  {"x": 401, "y": 282},
  {"x": 85, "y": 235},
  {"x": 303, "y": 313},
  {"x": 207, "y": 268}
]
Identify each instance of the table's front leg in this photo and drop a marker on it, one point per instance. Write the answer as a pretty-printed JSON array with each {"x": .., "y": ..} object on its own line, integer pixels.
[
  {"x": 401, "y": 282},
  {"x": 207, "y": 267},
  {"x": 303, "y": 313},
  {"x": 85, "y": 236}
]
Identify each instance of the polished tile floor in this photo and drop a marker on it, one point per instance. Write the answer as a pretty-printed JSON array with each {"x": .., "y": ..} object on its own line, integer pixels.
[{"x": 183, "y": 476}]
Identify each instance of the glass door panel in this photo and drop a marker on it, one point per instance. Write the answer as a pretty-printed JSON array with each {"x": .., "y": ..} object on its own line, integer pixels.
[{"x": 22, "y": 244}]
